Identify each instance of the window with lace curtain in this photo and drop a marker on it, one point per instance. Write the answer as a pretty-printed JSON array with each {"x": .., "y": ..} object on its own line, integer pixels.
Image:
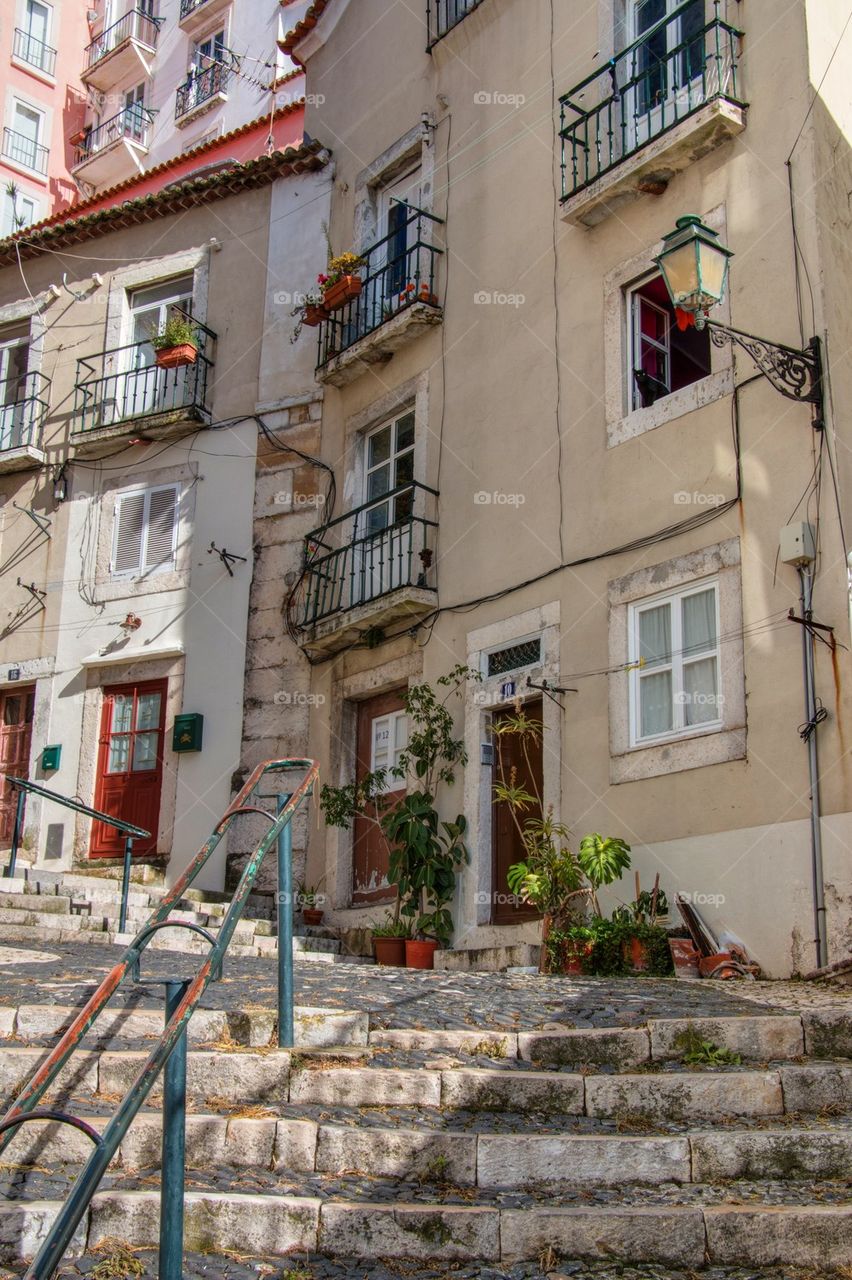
[{"x": 674, "y": 664}]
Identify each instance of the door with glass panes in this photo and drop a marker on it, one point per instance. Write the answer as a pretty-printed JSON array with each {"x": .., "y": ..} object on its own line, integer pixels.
[
  {"x": 384, "y": 549},
  {"x": 667, "y": 69},
  {"x": 206, "y": 68},
  {"x": 144, "y": 387},
  {"x": 382, "y": 735},
  {"x": 15, "y": 410},
  {"x": 130, "y": 765}
]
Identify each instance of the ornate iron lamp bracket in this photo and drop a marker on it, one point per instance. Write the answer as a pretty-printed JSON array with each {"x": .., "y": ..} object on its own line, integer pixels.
[{"x": 797, "y": 374}]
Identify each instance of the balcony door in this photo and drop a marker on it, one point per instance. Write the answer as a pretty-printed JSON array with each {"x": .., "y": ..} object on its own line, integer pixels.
[
  {"x": 130, "y": 765},
  {"x": 383, "y": 548},
  {"x": 26, "y": 145},
  {"x": 667, "y": 71},
  {"x": 15, "y": 409},
  {"x": 525, "y": 763},
  {"x": 144, "y": 388},
  {"x": 37, "y": 29}
]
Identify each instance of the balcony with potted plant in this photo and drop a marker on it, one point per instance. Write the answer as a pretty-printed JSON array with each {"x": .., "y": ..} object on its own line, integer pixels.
[
  {"x": 651, "y": 110},
  {"x": 116, "y": 149},
  {"x": 123, "y": 50},
  {"x": 379, "y": 300},
  {"x": 357, "y": 577},
  {"x": 157, "y": 389}
]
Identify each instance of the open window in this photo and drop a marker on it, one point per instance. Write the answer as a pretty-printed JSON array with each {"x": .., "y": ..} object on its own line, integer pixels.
[{"x": 663, "y": 357}]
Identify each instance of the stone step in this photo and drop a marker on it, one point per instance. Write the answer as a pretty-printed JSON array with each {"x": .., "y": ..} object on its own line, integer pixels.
[
  {"x": 277, "y": 1224},
  {"x": 463, "y": 1157}
]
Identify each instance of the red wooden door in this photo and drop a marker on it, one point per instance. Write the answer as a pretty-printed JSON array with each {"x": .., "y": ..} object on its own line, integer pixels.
[
  {"x": 382, "y": 734},
  {"x": 506, "y": 844},
  {"x": 16, "y": 733},
  {"x": 130, "y": 765}
]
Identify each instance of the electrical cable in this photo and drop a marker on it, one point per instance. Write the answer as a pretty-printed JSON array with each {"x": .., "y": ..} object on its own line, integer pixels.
[{"x": 807, "y": 730}]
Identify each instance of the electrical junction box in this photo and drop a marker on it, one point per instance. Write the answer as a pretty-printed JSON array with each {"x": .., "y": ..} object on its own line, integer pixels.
[
  {"x": 798, "y": 543},
  {"x": 50, "y": 758},
  {"x": 188, "y": 732}
]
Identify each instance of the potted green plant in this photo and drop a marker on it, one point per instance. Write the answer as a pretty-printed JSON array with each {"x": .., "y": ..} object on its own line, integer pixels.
[
  {"x": 570, "y": 949},
  {"x": 309, "y": 313},
  {"x": 309, "y": 900},
  {"x": 424, "y": 854},
  {"x": 340, "y": 283},
  {"x": 389, "y": 936},
  {"x": 640, "y": 920},
  {"x": 177, "y": 343}
]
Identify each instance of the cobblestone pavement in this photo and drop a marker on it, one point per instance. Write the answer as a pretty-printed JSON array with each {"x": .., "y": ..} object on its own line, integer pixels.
[
  {"x": 212, "y": 1267},
  {"x": 406, "y": 998}
]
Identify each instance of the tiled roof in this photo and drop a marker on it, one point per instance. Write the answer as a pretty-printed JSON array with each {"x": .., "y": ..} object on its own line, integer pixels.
[
  {"x": 176, "y": 197},
  {"x": 110, "y": 194},
  {"x": 301, "y": 29}
]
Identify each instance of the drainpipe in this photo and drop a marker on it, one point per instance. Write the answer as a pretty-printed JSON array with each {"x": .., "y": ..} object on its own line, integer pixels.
[{"x": 820, "y": 938}]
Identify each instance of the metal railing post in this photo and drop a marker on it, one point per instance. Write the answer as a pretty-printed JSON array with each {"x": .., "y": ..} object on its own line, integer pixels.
[
  {"x": 286, "y": 1032},
  {"x": 173, "y": 1174},
  {"x": 125, "y": 884},
  {"x": 16, "y": 831}
]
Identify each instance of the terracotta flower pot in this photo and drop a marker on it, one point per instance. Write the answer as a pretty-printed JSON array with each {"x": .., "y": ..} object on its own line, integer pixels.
[
  {"x": 684, "y": 958},
  {"x": 312, "y": 915},
  {"x": 314, "y": 315},
  {"x": 572, "y": 955},
  {"x": 389, "y": 951},
  {"x": 420, "y": 955},
  {"x": 176, "y": 357},
  {"x": 342, "y": 291},
  {"x": 635, "y": 953}
]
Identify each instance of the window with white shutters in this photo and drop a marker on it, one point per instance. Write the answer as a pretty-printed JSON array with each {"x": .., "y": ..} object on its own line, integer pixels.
[{"x": 145, "y": 533}]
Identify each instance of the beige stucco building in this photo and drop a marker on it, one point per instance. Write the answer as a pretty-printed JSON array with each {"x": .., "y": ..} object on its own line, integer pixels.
[
  {"x": 128, "y": 535},
  {"x": 600, "y": 496}
]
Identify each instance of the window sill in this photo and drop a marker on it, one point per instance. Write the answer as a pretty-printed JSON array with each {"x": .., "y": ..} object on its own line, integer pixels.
[
  {"x": 704, "y": 131},
  {"x": 714, "y": 387},
  {"x": 24, "y": 457},
  {"x": 44, "y": 77},
  {"x": 694, "y": 751},
  {"x": 23, "y": 169}
]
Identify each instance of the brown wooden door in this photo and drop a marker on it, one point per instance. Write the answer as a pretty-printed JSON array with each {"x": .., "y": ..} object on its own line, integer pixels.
[
  {"x": 130, "y": 765},
  {"x": 382, "y": 733},
  {"x": 506, "y": 845},
  {"x": 16, "y": 734}
]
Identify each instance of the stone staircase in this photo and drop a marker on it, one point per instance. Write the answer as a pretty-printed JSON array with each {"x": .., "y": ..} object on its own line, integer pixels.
[
  {"x": 38, "y": 906},
  {"x": 474, "y": 1146}
]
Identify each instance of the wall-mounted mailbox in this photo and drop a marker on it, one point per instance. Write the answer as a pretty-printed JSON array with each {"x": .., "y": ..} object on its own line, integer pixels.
[
  {"x": 50, "y": 758},
  {"x": 188, "y": 732}
]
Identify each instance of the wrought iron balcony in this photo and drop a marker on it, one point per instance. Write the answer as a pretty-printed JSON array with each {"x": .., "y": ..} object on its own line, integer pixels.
[
  {"x": 136, "y": 27},
  {"x": 26, "y": 48},
  {"x": 118, "y": 387},
  {"x": 23, "y": 406},
  {"x": 671, "y": 72},
  {"x": 443, "y": 15},
  {"x": 132, "y": 123},
  {"x": 201, "y": 87},
  {"x": 194, "y": 14},
  {"x": 379, "y": 555},
  {"x": 398, "y": 279},
  {"x": 25, "y": 151}
]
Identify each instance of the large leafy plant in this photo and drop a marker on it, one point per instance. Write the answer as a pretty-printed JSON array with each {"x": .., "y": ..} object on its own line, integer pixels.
[{"x": 424, "y": 853}]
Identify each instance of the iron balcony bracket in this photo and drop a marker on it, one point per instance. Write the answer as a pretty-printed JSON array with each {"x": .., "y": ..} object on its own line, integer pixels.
[{"x": 796, "y": 373}]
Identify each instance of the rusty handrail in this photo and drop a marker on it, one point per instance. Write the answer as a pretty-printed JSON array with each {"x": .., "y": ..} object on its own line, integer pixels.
[{"x": 50, "y": 1254}]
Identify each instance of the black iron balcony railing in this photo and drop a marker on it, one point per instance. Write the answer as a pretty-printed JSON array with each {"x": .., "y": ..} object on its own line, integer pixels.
[
  {"x": 34, "y": 52},
  {"x": 674, "y": 69},
  {"x": 133, "y": 123},
  {"x": 399, "y": 271},
  {"x": 23, "y": 406},
  {"x": 200, "y": 86},
  {"x": 135, "y": 25},
  {"x": 369, "y": 552},
  {"x": 443, "y": 15},
  {"x": 25, "y": 151},
  {"x": 189, "y": 6},
  {"x": 125, "y": 383}
]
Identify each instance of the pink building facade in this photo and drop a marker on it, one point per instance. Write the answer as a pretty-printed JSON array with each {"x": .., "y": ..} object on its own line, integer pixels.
[{"x": 43, "y": 102}]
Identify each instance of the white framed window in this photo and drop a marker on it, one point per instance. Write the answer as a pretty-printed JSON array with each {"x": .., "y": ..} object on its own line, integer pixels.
[
  {"x": 145, "y": 531},
  {"x": 662, "y": 357},
  {"x": 389, "y": 464},
  {"x": 674, "y": 664},
  {"x": 388, "y": 741},
  {"x": 19, "y": 210},
  {"x": 22, "y": 141}
]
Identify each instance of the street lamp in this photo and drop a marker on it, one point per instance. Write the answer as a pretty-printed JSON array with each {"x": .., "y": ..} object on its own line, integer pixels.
[{"x": 694, "y": 265}]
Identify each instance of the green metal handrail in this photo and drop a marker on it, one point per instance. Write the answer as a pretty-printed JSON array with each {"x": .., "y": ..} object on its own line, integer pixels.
[{"x": 183, "y": 996}]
